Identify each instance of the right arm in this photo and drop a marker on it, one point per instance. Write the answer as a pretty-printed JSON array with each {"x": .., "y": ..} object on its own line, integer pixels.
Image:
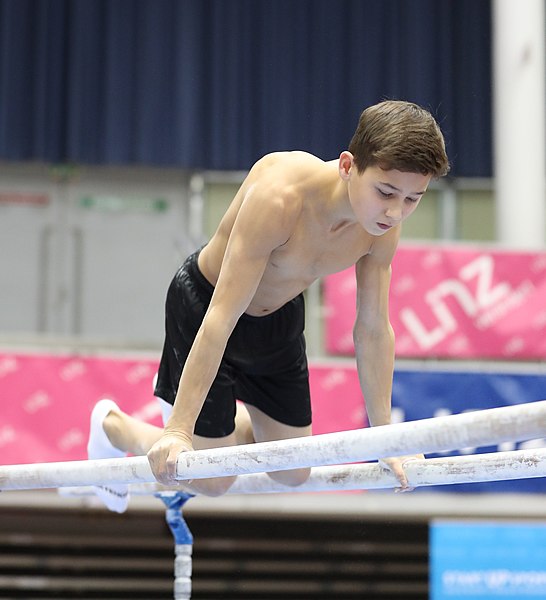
[{"x": 263, "y": 223}]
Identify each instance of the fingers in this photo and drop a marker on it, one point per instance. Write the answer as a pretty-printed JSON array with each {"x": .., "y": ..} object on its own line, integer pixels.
[
  {"x": 163, "y": 459},
  {"x": 409, "y": 488},
  {"x": 400, "y": 474},
  {"x": 158, "y": 464},
  {"x": 396, "y": 466},
  {"x": 168, "y": 467}
]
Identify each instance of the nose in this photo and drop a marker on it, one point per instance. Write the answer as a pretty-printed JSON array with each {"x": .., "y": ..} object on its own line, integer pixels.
[{"x": 394, "y": 213}]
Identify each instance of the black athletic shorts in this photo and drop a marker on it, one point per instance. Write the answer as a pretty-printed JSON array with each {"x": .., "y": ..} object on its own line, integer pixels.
[{"x": 264, "y": 364}]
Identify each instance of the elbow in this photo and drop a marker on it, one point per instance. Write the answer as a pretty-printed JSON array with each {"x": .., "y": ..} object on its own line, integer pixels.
[
  {"x": 372, "y": 336},
  {"x": 216, "y": 326}
]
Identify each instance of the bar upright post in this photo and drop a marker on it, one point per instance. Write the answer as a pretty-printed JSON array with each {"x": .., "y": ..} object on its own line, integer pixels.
[{"x": 183, "y": 539}]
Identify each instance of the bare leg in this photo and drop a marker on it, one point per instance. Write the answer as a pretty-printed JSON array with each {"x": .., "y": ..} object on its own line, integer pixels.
[
  {"x": 267, "y": 429},
  {"x": 251, "y": 424},
  {"x": 243, "y": 425},
  {"x": 129, "y": 434},
  {"x": 112, "y": 434},
  {"x": 218, "y": 485}
]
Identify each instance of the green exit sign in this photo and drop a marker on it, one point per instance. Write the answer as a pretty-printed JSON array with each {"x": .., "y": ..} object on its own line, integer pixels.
[{"x": 117, "y": 204}]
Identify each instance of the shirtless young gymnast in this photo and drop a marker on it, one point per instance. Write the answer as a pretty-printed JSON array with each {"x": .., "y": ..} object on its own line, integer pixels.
[{"x": 235, "y": 310}]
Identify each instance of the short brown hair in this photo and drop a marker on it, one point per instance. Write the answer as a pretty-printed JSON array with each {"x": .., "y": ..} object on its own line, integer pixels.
[{"x": 399, "y": 135}]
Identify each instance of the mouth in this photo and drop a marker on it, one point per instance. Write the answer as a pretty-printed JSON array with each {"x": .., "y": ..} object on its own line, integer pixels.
[{"x": 383, "y": 226}]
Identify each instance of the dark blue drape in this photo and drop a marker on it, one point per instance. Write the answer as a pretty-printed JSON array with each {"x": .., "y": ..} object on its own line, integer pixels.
[{"x": 217, "y": 83}]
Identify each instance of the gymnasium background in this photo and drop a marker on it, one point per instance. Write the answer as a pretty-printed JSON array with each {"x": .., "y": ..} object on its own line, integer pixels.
[{"x": 126, "y": 127}]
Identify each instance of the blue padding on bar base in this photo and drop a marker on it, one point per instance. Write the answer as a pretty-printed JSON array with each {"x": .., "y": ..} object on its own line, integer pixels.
[{"x": 174, "y": 501}]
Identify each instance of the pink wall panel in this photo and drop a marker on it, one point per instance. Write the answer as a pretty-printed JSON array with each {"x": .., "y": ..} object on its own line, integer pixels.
[
  {"x": 453, "y": 302},
  {"x": 47, "y": 400}
]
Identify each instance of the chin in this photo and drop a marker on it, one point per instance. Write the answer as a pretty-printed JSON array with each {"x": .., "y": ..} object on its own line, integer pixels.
[{"x": 377, "y": 231}]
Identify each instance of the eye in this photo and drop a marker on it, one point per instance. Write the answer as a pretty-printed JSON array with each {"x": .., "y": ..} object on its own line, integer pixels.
[
  {"x": 413, "y": 200},
  {"x": 384, "y": 194}
]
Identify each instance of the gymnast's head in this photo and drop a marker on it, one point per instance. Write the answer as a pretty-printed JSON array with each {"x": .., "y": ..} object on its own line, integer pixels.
[{"x": 402, "y": 136}]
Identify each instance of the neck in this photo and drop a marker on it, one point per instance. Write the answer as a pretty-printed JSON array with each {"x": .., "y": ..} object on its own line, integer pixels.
[
  {"x": 336, "y": 198},
  {"x": 329, "y": 197}
]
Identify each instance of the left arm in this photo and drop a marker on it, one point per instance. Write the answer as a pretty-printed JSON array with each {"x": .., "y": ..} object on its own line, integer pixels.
[{"x": 374, "y": 339}]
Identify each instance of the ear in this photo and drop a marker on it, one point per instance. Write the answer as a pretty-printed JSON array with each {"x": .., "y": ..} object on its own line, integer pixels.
[{"x": 345, "y": 164}]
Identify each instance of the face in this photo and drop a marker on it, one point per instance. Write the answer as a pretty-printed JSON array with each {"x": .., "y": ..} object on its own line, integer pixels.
[{"x": 382, "y": 199}]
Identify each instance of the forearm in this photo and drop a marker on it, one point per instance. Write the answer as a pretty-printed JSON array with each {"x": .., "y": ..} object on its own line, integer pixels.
[
  {"x": 375, "y": 363},
  {"x": 199, "y": 371}
]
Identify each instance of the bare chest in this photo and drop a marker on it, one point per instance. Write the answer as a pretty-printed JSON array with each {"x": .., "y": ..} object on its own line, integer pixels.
[
  {"x": 310, "y": 254},
  {"x": 316, "y": 259}
]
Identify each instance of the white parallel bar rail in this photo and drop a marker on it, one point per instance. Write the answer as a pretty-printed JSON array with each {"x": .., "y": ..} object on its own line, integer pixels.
[
  {"x": 496, "y": 466},
  {"x": 468, "y": 430},
  {"x": 104, "y": 471},
  {"x": 473, "y": 429},
  {"x": 474, "y": 468}
]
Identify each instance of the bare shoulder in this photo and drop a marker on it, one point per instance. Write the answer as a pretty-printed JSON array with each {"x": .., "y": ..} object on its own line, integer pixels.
[
  {"x": 294, "y": 159},
  {"x": 276, "y": 180},
  {"x": 267, "y": 207},
  {"x": 284, "y": 169},
  {"x": 271, "y": 197}
]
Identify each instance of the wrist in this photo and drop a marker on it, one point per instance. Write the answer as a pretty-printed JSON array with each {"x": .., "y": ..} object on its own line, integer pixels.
[
  {"x": 180, "y": 430},
  {"x": 377, "y": 421}
]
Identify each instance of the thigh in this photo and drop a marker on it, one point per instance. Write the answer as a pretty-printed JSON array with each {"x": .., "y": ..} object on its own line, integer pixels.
[
  {"x": 205, "y": 443},
  {"x": 218, "y": 485},
  {"x": 267, "y": 429}
]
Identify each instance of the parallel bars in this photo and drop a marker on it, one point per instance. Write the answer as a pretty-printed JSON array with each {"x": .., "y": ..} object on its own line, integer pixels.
[{"x": 472, "y": 429}]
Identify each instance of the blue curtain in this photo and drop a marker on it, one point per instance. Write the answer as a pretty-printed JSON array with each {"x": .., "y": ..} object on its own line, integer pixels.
[{"x": 215, "y": 84}]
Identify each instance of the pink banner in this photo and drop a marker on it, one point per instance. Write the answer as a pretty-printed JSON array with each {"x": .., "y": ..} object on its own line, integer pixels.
[
  {"x": 338, "y": 404},
  {"x": 47, "y": 400},
  {"x": 453, "y": 303}
]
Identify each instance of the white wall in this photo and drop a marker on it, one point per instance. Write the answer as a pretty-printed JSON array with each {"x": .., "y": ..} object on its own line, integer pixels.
[{"x": 97, "y": 270}]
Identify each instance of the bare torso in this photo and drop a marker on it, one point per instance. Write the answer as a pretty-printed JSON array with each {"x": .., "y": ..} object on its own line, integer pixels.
[{"x": 320, "y": 241}]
